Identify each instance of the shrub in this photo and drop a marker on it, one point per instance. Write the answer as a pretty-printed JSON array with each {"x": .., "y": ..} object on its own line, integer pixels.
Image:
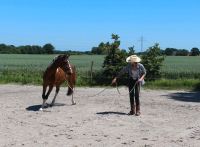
[{"x": 152, "y": 61}]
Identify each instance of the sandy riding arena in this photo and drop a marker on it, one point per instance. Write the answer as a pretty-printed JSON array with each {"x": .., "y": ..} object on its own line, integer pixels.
[{"x": 169, "y": 118}]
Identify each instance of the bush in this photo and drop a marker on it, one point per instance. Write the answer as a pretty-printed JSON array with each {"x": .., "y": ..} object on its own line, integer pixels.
[{"x": 152, "y": 61}]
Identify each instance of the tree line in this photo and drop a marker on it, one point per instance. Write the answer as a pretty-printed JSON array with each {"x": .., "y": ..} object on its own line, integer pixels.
[
  {"x": 36, "y": 49},
  {"x": 181, "y": 52},
  {"x": 27, "y": 49},
  {"x": 101, "y": 49}
]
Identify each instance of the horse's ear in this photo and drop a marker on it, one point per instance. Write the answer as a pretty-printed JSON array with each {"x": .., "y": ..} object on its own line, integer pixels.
[
  {"x": 59, "y": 56},
  {"x": 64, "y": 57},
  {"x": 67, "y": 55}
]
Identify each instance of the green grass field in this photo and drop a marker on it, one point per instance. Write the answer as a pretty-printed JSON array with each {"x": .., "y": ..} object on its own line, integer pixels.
[
  {"x": 181, "y": 67},
  {"x": 182, "y": 64},
  {"x": 40, "y": 62},
  {"x": 17, "y": 68},
  {"x": 172, "y": 64}
]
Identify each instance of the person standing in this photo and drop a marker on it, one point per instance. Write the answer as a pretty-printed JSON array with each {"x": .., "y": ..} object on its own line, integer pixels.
[{"x": 136, "y": 73}]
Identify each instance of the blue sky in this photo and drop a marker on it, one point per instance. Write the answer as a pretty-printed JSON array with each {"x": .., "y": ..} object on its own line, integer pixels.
[{"x": 82, "y": 24}]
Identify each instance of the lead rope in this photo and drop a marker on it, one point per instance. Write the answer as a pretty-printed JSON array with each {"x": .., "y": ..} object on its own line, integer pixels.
[
  {"x": 93, "y": 94},
  {"x": 117, "y": 87},
  {"x": 98, "y": 92}
]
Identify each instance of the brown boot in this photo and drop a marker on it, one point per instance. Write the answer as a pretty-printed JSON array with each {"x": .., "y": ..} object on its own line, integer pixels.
[
  {"x": 132, "y": 112},
  {"x": 138, "y": 110}
]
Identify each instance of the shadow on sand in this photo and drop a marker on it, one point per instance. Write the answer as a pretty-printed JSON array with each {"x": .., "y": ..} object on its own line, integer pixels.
[
  {"x": 185, "y": 96},
  {"x": 37, "y": 107},
  {"x": 111, "y": 112}
]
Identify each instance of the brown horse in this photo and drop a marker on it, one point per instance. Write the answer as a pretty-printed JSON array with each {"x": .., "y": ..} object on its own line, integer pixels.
[{"x": 59, "y": 71}]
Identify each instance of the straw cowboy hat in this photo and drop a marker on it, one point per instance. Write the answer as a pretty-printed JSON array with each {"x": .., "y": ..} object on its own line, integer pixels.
[{"x": 133, "y": 58}]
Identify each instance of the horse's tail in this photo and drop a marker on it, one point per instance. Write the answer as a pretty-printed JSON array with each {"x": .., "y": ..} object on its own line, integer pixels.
[{"x": 72, "y": 81}]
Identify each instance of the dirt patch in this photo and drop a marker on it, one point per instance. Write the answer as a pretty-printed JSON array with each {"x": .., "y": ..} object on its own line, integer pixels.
[{"x": 169, "y": 118}]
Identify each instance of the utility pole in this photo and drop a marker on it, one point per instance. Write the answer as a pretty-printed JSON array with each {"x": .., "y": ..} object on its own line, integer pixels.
[{"x": 142, "y": 41}]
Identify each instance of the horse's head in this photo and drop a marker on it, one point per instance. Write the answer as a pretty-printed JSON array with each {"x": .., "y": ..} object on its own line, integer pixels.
[{"x": 63, "y": 62}]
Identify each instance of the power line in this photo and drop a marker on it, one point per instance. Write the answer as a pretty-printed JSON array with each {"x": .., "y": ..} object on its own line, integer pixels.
[
  {"x": 142, "y": 40},
  {"x": 141, "y": 43}
]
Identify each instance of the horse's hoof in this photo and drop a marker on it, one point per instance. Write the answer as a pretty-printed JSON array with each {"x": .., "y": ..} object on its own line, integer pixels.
[
  {"x": 73, "y": 103},
  {"x": 46, "y": 105},
  {"x": 51, "y": 105},
  {"x": 40, "y": 109}
]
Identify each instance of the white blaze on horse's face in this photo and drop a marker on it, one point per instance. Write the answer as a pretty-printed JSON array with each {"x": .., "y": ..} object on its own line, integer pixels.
[{"x": 70, "y": 68}]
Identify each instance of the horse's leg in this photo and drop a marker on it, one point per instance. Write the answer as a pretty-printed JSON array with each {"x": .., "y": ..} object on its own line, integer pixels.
[
  {"x": 46, "y": 96},
  {"x": 70, "y": 88},
  {"x": 57, "y": 90},
  {"x": 44, "y": 91},
  {"x": 71, "y": 92},
  {"x": 73, "y": 102},
  {"x": 71, "y": 84},
  {"x": 73, "y": 80}
]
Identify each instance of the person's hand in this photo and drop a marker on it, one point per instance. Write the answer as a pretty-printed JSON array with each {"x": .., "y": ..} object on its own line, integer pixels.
[
  {"x": 114, "y": 81},
  {"x": 140, "y": 80}
]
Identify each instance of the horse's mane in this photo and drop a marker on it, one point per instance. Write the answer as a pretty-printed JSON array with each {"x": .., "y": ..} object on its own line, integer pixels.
[
  {"x": 52, "y": 62},
  {"x": 54, "y": 59}
]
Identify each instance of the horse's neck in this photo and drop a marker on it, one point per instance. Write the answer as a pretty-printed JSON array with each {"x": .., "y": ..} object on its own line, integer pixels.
[{"x": 51, "y": 69}]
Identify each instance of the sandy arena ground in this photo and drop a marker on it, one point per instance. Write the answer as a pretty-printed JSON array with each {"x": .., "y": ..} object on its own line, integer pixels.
[{"x": 169, "y": 119}]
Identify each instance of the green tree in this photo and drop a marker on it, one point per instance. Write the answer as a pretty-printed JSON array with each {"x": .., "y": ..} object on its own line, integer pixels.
[
  {"x": 37, "y": 49},
  {"x": 102, "y": 49},
  {"x": 182, "y": 52},
  {"x": 131, "y": 50},
  {"x": 115, "y": 58},
  {"x": 170, "y": 51},
  {"x": 152, "y": 61},
  {"x": 94, "y": 50},
  {"x": 48, "y": 48},
  {"x": 194, "y": 51},
  {"x": 8, "y": 49}
]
